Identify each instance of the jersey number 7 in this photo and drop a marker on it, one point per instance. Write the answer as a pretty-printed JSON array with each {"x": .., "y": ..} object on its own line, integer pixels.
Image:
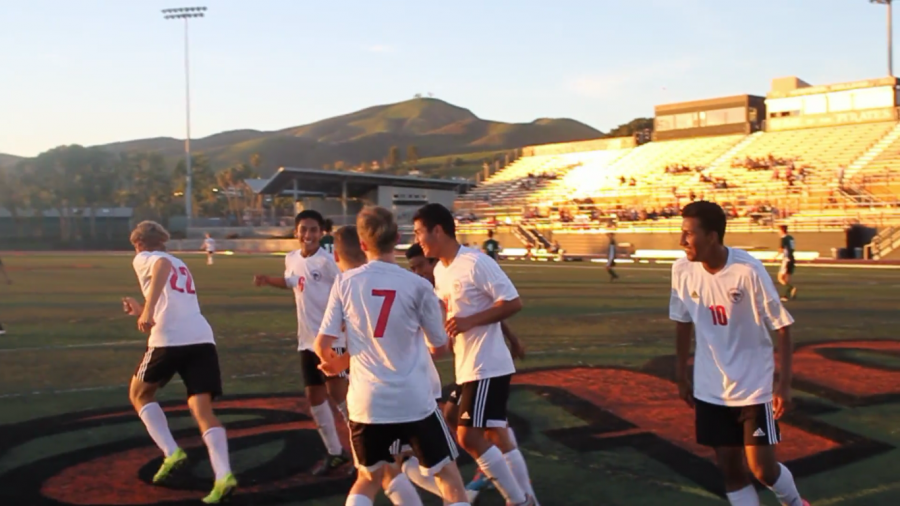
[{"x": 389, "y": 296}]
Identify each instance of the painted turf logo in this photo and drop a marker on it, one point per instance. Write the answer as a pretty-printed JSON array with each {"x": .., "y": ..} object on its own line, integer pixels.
[{"x": 621, "y": 408}]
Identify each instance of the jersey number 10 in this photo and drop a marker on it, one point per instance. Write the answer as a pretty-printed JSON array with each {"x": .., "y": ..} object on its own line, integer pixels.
[
  {"x": 718, "y": 315},
  {"x": 178, "y": 275}
]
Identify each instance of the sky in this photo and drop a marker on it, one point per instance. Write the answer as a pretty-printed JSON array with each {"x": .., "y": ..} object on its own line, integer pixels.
[{"x": 98, "y": 71}]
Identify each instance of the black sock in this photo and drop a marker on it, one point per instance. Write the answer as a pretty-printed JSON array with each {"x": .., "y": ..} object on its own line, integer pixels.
[{"x": 787, "y": 289}]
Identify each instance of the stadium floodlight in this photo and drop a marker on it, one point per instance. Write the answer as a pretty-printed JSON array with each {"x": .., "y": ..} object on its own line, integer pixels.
[
  {"x": 890, "y": 33},
  {"x": 186, "y": 13}
]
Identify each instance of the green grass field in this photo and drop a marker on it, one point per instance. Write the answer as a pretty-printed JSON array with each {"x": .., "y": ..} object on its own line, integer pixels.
[{"x": 597, "y": 417}]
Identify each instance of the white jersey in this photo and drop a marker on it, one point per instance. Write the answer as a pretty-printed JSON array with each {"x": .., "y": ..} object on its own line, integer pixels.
[
  {"x": 732, "y": 312},
  {"x": 209, "y": 245},
  {"x": 177, "y": 318},
  {"x": 473, "y": 283},
  {"x": 311, "y": 279},
  {"x": 384, "y": 307}
]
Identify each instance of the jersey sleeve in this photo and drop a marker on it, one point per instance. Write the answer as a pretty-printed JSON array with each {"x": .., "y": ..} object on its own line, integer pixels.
[
  {"x": 431, "y": 318},
  {"x": 490, "y": 277},
  {"x": 767, "y": 301},
  {"x": 143, "y": 264},
  {"x": 677, "y": 310},
  {"x": 289, "y": 278},
  {"x": 333, "y": 319}
]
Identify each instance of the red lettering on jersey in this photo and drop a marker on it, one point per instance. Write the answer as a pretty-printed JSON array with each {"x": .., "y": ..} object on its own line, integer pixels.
[
  {"x": 188, "y": 280},
  {"x": 385, "y": 312},
  {"x": 718, "y": 315},
  {"x": 302, "y": 283}
]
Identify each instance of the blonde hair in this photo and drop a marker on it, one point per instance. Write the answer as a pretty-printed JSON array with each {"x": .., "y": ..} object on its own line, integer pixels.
[
  {"x": 150, "y": 235},
  {"x": 346, "y": 244},
  {"x": 377, "y": 229}
]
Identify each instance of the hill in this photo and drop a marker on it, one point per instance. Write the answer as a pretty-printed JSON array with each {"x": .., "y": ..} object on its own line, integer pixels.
[
  {"x": 435, "y": 127},
  {"x": 8, "y": 159}
]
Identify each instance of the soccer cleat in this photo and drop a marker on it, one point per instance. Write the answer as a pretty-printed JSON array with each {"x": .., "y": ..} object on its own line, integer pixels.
[
  {"x": 479, "y": 482},
  {"x": 805, "y": 502},
  {"x": 170, "y": 464},
  {"x": 330, "y": 463},
  {"x": 793, "y": 293},
  {"x": 222, "y": 490},
  {"x": 529, "y": 501},
  {"x": 784, "y": 299},
  {"x": 1, "y": 330}
]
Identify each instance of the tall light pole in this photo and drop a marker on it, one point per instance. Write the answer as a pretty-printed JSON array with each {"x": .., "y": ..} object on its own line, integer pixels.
[
  {"x": 186, "y": 13},
  {"x": 890, "y": 33}
]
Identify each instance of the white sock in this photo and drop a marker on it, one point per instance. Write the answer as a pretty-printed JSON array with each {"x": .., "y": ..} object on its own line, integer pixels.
[
  {"x": 785, "y": 489},
  {"x": 158, "y": 427},
  {"x": 412, "y": 471},
  {"x": 217, "y": 444},
  {"x": 495, "y": 467},
  {"x": 325, "y": 420},
  {"x": 746, "y": 496},
  {"x": 516, "y": 462},
  {"x": 401, "y": 492},
  {"x": 460, "y": 504},
  {"x": 342, "y": 408},
  {"x": 209, "y": 260},
  {"x": 357, "y": 500}
]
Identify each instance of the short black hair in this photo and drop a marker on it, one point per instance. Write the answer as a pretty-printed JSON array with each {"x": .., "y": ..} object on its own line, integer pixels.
[
  {"x": 710, "y": 215},
  {"x": 415, "y": 251},
  {"x": 783, "y": 228},
  {"x": 490, "y": 234},
  {"x": 327, "y": 225},
  {"x": 309, "y": 214},
  {"x": 432, "y": 215}
]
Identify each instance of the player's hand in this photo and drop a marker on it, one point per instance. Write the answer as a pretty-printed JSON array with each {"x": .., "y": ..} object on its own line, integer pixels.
[
  {"x": 457, "y": 325},
  {"x": 260, "y": 280},
  {"x": 517, "y": 349},
  {"x": 145, "y": 322},
  {"x": 782, "y": 401},
  {"x": 131, "y": 306},
  {"x": 686, "y": 391}
]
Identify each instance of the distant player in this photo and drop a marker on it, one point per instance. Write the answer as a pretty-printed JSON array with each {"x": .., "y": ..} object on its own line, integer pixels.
[
  {"x": 491, "y": 247},
  {"x": 327, "y": 241},
  {"x": 391, "y": 396},
  {"x": 786, "y": 251},
  {"x": 478, "y": 296},
  {"x": 611, "y": 257},
  {"x": 728, "y": 299},
  {"x": 181, "y": 341},
  {"x": 424, "y": 267},
  {"x": 309, "y": 272},
  {"x": 209, "y": 245},
  {"x": 8, "y": 282},
  {"x": 349, "y": 255}
]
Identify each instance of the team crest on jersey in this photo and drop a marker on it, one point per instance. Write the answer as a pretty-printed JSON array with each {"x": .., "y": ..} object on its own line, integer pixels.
[
  {"x": 736, "y": 295},
  {"x": 457, "y": 287},
  {"x": 316, "y": 275}
]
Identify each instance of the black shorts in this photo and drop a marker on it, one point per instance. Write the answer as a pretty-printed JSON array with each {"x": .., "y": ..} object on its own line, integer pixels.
[
  {"x": 376, "y": 444},
  {"x": 309, "y": 366},
  {"x": 453, "y": 395},
  {"x": 736, "y": 426},
  {"x": 787, "y": 267},
  {"x": 482, "y": 403},
  {"x": 196, "y": 364}
]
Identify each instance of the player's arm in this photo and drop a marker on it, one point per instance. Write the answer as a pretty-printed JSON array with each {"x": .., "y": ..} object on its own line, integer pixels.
[
  {"x": 276, "y": 281},
  {"x": 768, "y": 304},
  {"x": 332, "y": 363},
  {"x": 515, "y": 346},
  {"x": 431, "y": 319},
  {"x": 159, "y": 275},
  {"x": 684, "y": 327},
  {"x": 786, "y": 373},
  {"x": 490, "y": 278}
]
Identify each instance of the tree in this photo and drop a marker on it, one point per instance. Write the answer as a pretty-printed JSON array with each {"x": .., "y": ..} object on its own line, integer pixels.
[
  {"x": 412, "y": 155},
  {"x": 393, "y": 158},
  {"x": 632, "y": 127}
]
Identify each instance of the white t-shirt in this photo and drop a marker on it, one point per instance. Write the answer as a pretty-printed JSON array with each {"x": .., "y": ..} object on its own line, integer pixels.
[
  {"x": 209, "y": 245},
  {"x": 177, "y": 316},
  {"x": 311, "y": 279},
  {"x": 384, "y": 307},
  {"x": 732, "y": 312},
  {"x": 473, "y": 283}
]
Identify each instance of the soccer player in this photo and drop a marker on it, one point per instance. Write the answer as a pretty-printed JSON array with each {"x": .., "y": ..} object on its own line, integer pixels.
[
  {"x": 786, "y": 250},
  {"x": 611, "y": 257},
  {"x": 728, "y": 299},
  {"x": 5, "y": 275},
  {"x": 478, "y": 296},
  {"x": 327, "y": 241},
  {"x": 349, "y": 255},
  {"x": 209, "y": 244},
  {"x": 181, "y": 341},
  {"x": 309, "y": 272},
  {"x": 491, "y": 247},
  {"x": 391, "y": 396}
]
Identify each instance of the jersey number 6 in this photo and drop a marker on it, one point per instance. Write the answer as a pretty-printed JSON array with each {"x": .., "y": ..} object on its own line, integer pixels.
[{"x": 389, "y": 296}]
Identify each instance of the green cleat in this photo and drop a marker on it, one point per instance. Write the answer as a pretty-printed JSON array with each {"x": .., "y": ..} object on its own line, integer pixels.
[
  {"x": 170, "y": 464},
  {"x": 222, "y": 490}
]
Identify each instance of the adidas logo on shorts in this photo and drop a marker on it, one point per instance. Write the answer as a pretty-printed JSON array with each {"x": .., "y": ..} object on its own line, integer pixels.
[
  {"x": 465, "y": 416},
  {"x": 759, "y": 433}
]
